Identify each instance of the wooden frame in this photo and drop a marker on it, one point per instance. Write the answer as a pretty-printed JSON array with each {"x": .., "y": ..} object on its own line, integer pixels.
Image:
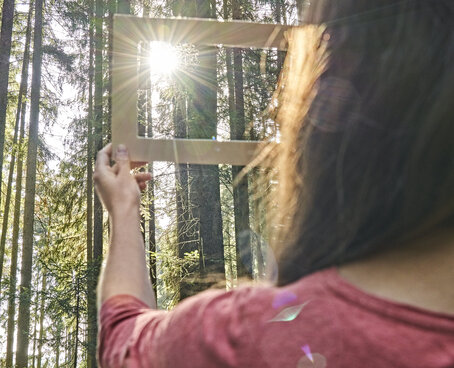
[{"x": 128, "y": 31}]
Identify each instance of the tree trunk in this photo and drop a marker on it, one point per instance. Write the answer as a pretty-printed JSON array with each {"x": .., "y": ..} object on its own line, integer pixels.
[
  {"x": 57, "y": 345},
  {"x": 240, "y": 191},
  {"x": 186, "y": 234},
  {"x": 30, "y": 186},
  {"x": 181, "y": 184},
  {"x": 76, "y": 343},
  {"x": 9, "y": 189},
  {"x": 5, "y": 52},
  {"x": 124, "y": 6},
  {"x": 98, "y": 210},
  {"x": 279, "y": 19},
  {"x": 300, "y": 8},
  {"x": 231, "y": 109},
  {"x": 152, "y": 233},
  {"x": 185, "y": 242},
  {"x": 205, "y": 190},
  {"x": 35, "y": 322},
  {"x": 151, "y": 206},
  {"x": 41, "y": 319},
  {"x": 22, "y": 107},
  {"x": 112, "y": 6},
  {"x": 22, "y": 93},
  {"x": 142, "y": 107},
  {"x": 91, "y": 280},
  {"x": 68, "y": 347}
]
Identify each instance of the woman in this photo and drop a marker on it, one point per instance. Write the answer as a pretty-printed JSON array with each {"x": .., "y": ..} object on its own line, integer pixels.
[{"x": 365, "y": 242}]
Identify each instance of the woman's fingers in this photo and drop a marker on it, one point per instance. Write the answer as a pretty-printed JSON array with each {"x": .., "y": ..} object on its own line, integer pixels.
[
  {"x": 142, "y": 179},
  {"x": 102, "y": 165},
  {"x": 142, "y": 185},
  {"x": 115, "y": 168},
  {"x": 142, "y": 176},
  {"x": 103, "y": 160},
  {"x": 103, "y": 157}
]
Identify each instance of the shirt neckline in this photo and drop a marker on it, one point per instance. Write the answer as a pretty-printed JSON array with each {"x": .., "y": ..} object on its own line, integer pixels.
[{"x": 398, "y": 311}]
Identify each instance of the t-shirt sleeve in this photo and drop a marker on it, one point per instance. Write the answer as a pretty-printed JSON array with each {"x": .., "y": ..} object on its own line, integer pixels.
[{"x": 208, "y": 330}]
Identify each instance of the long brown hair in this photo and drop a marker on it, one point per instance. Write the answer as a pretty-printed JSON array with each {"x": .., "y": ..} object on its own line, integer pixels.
[{"x": 367, "y": 130}]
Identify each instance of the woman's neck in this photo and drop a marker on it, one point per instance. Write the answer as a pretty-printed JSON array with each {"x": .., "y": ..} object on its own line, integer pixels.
[{"x": 419, "y": 274}]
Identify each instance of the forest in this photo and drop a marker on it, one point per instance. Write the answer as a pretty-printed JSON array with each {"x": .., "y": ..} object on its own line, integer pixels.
[{"x": 204, "y": 225}]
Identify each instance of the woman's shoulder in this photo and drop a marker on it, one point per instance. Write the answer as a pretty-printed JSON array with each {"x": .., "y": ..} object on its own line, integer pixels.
[
  {"x": 265, "y": 295},
  {"x": 255, "y": 297}
]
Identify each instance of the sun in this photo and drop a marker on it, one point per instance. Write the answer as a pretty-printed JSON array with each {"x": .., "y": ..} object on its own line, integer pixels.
[{"x": 163, "y": 59}]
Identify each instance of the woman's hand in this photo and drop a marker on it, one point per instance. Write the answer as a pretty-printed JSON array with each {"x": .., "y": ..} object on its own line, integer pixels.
[
  {"x": 117, "y": 188},
  {"x": 125, "y": 271}
]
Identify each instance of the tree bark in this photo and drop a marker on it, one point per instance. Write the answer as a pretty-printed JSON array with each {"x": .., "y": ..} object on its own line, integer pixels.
[
  {"x": 68, "y": 347},
  {"x": 91, "y": 280},
  {"x": 22, "y": 93},
  {"x": 98, "y": 127},
  {"x": 186, "y": 241},
  {"x": 300, "y": 7},
  {"x": 181, "y": 184},
  {"x": 151, "y": 206},
  {"x": 5, "y": 52},
  {"x": 30, "y": 186},
  {"x": 76, "y": 333},
  {"x": 279, "y": 19},
  {"x": 152, "y": 233},
  {"x": 57, "y": 345},
  {"x": 241, "y": 190},
  {"x": 231, "y": 109},
  {"x": 205, "y": 187},
  {"x": 142, "y": 106},
  {"x": 98, "y": 211},
  {"x": 124, "y": 6},
  {"x": 204, "y": 192},
  {"x": 41, "y": 320},
  {"x": 22, "y": 107},
  {"x": 35, "y": 322},
  {"x": 112, "y": 6}
]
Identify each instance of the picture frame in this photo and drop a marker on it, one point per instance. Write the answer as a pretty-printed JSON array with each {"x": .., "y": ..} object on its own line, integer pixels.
[{"x": 128, "y": 31}]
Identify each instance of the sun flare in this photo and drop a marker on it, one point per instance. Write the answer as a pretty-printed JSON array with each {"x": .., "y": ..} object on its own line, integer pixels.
[{"x": 163, "y": 58}]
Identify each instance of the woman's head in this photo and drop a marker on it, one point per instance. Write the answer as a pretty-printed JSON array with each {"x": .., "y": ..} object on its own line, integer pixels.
[{"x": 367, "y": 125}]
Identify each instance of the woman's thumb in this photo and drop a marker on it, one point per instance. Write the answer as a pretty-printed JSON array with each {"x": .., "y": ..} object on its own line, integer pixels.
[{"x": 122, "y": 158}]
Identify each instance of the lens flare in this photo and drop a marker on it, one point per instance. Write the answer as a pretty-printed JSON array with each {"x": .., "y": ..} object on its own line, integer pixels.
[
  {"x": 163, "y": 58},
  {"x": 283, "y": 298},
  {"x": 289, "y": 314},
  {"x": 315, "y": 360},
  {"x": 307, "y": 350}
]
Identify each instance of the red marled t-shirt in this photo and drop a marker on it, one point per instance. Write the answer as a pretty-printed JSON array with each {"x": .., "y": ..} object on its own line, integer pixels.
[{"x": 319, "y": 321}]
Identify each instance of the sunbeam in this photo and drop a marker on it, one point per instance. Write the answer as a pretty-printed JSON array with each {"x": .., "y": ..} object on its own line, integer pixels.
[{"x": 163, "y": 59}]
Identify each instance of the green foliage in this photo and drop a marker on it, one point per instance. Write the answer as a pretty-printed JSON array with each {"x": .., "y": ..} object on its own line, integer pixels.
[{"x": 173, "y": 271}]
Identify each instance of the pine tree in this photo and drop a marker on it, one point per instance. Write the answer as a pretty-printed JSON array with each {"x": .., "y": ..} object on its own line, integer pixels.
[
  {"x": 205, "y": 187},
  {"x": 5, "y": 52},
  {"x": 151, "y": 183},
  {"x": 21, "y": 110},
  {"x": 91, "y": 278},
  {"x": 21, "y": 97},
  {"x": 41, "y": 319},
  {"x": 30, "y": 187}
]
